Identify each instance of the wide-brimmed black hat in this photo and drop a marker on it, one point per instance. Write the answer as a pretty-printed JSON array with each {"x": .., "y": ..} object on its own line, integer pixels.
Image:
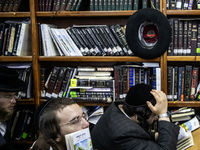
[
  {"x": 138, "y": 95},
  {"x": 9, "y": 81},
  {"x": 148, "y": 33}
]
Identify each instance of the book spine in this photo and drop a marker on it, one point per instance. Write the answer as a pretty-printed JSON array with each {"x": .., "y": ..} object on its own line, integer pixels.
[
  {"x": 170, "y": 49},
  {"x": 187, "y": 86},
  {"x": 190, "y": 4},
  {"x": 182, "y": 82},
  {"x": 58, "y": 82},
  {"x": 194, "y": 38},
  {"x": 175, "y": 42},
  {"x": 97, "y": 43},
  {"x": 116, "y": 75},
  {"x": 95, "y": 51},
  {"x": 195, "y": 75},
  {"x": 125, "y": 82},
  {"x": 185, "y": 37},
  {"x": 179, "y": 4},
  {"x": 189, "y": 37},
  {"x": 52, "y": 81},
  {"x": 12, "y": 38},
  {"x": 6, "y": 5},
  {"x": 2, "y": 32},
  {"x": 14, "y": 52},
  {"x": 121, "y": 34},
  {"x": 172, "y": 4},
  {"x": 63, "y": 5},
  {"x": 175, "y": 83},
  {"x": 114, "y": 41},
  {"x": 186, "y": 4},
  {"x": 198, "y": 40},
  {"x": 180, "y": 38}
]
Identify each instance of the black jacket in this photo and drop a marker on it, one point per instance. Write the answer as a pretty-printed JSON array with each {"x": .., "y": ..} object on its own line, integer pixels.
[{"x": 115, "y": 131}]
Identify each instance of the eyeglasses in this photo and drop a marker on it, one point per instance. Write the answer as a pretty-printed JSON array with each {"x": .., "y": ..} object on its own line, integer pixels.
[
  {"x": 77, "y": 120},
  {"x": 11, "y": 98}
]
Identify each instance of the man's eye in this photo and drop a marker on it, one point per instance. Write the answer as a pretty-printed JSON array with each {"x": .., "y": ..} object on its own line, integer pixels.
[{"x": 75, "y": 120}]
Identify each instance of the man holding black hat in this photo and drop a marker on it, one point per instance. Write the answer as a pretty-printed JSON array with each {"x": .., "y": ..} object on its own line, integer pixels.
[
  {"x": 9, "y": 85},
  {"x": 125, "y": 127}
]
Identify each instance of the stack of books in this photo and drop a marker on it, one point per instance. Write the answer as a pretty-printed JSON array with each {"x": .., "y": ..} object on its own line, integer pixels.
[
  {"x": 15, "y": 38},
  {"x": 182, "y": 114},
  {"x": 93, "y": 84},
  {"x": 83, "y": 40}
]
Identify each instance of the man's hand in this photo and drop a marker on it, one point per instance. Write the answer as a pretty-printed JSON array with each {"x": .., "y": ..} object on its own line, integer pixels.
[{"x": 161, "y": 102}]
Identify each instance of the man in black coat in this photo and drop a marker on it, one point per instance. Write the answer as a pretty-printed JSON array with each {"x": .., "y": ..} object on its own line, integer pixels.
[
  {"x": 125, "y": 127},
  {"x": 9, "y": 85}
]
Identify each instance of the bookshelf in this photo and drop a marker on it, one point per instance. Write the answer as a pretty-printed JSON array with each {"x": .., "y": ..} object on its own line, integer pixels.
[
  {"x": 76, "y": 17},
  {"x": 89, "y": 17}
]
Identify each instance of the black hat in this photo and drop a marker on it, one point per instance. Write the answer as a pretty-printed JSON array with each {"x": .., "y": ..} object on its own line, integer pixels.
[
  {"x": 139, "y": 94},
  {"x": 148, "y": 33},
  {"x": 9, "y": 81}
]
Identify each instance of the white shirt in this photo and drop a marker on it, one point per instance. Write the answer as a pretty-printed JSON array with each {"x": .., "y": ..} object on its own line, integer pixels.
[{"x": 3, "y": 128}]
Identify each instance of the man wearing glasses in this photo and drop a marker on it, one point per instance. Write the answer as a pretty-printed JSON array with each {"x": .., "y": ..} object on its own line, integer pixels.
[
  {"x": 56, "y": 118},
  {"x": 9, "y": 85}
]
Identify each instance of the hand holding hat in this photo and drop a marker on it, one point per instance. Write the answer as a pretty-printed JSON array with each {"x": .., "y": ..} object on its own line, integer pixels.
[{"x": 161, "y": 102}]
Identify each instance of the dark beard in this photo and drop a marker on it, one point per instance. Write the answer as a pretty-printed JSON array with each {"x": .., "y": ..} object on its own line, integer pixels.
[{"x": 5, "y": 115}]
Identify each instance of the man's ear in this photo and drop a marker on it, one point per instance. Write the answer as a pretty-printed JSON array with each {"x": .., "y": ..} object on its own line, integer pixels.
[{"x": 58, "y": 139}]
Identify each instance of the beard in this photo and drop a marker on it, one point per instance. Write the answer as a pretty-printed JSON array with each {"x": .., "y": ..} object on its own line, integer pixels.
[{"x": 5, "y": 115}]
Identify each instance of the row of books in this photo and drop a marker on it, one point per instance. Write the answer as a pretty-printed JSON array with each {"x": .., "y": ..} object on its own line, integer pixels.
[
  {"x": 105, "y": 84},
  {"x": 185, "y": 38},
  {"x": 63, "y": 5},
  {"x": 15, "y": 38},
  {"x": 78, "y": 84},
  {"x": 120, "y": 5},
  {"x": 182, "y": 4},
  {"x": 96, "y": 5},
  {"x": 83, "y": 40},
  {"x": 14, "y": 5},
  {"x": 182, "y": 83},
  {"x": 26, "y": 75},
  {"x": 23, "y": 127},
  {"x": 128, "y": 76}
]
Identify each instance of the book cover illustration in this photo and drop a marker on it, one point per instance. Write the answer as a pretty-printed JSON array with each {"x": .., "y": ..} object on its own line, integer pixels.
[{"x": 79, "y": 140}]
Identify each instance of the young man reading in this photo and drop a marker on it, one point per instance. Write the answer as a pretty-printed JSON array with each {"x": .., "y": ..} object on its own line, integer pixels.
[
  {"x": 57, "y": 117},
  {"x": 125, "y": 127}
]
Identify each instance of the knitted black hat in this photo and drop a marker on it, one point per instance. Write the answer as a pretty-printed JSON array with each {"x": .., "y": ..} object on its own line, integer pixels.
[
  {"x": 9, "y": 81},
  {"x": 139, "y": 94}
]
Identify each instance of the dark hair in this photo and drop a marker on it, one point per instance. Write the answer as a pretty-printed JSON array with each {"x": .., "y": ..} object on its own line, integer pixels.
[
  {"x": 48, "y": 121},
  {"x": 143, "y": 113}
]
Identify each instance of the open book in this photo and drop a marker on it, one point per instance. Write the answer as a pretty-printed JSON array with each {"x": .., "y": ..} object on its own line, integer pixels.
[{"x": 79, "y": 140}]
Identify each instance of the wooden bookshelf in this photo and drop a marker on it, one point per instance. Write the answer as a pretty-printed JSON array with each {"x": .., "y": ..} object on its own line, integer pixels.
[{"x": 68, "y": 18}]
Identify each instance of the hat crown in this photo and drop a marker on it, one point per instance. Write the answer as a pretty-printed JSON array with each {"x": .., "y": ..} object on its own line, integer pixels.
[
  {"x": 9, "y": 80},
  {"x": 139, "y": 94}
]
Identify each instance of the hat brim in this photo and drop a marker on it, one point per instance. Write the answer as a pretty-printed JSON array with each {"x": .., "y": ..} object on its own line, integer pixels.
[
  {"x": 17, "y": 85},
  {"x": 133, "y": 38}
]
